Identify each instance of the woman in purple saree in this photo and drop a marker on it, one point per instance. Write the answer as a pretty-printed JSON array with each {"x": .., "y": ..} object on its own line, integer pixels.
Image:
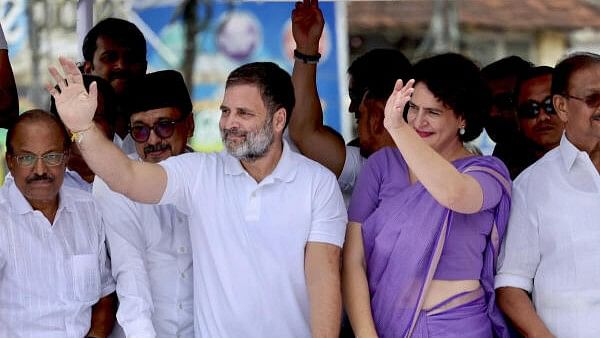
[{"x": 426, "y": 218}]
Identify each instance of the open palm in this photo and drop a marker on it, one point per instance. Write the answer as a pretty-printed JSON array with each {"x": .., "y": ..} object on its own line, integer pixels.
[
  {"x": 75, "y": 106},
  {"x": 394, "y": 107}
]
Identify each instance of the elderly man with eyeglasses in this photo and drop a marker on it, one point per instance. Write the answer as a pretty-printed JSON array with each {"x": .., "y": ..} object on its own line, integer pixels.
[
  {"x": 551, "y": 247},
  {"x": 150, "y": 245},
  {"x": 54, "y": 272}
]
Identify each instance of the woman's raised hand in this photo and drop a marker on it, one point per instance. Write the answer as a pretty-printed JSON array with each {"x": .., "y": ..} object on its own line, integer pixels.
[
  {"x": 74, "y": 104},
  {"x": 394, "y": 108}
]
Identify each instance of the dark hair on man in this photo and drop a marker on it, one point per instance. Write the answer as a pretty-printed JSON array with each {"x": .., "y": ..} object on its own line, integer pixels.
[
  {"x": 36, "y": 115},
  {"x": 274, "y": 83},
  {"x": 377, "y": 71},
  {"x": 564, "y": 70},
  {"x": 457, "y": 82},
  {"x": 529, "y": 74},
  {"x": 506, "y": 67},
  {"x": 105, "y": 90},
  {"x": 165, "y": 88},
  {"x": 121, "y": 31}
]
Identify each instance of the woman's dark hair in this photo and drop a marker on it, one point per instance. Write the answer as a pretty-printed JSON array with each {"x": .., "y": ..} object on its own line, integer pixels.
[{"x": 457, "y": 82}]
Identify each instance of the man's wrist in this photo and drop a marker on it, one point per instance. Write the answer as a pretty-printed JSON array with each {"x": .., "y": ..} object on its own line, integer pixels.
[
  {"x": 307, "y": 58},
  {"x": 77, "y": 136}
]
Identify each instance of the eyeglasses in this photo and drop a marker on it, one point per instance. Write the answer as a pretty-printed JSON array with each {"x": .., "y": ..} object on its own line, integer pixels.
[
  {"x": 504, "y": 101},
  {"x": 163, "y": 129},
  {"x": 531, "y": 109},
  {"x": 592, "y": 100},
  {"x": 50, "y": 159}
]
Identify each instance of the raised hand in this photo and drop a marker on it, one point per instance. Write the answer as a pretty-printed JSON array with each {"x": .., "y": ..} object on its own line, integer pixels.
[
  {"x": 75, "y": 105},
  {"x": 394, "y": 107},
  {"x": 307, "y": 26}
]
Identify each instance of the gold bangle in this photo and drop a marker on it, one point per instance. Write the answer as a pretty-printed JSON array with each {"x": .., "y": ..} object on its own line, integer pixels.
[{"x": 77, "y": 136}]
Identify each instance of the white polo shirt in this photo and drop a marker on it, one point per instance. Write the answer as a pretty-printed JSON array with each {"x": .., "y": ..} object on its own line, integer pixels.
[
  {"x": 50, "y": 274},
  {"x": 249, "y": 239},
  {"x": 552, "y": 244}
]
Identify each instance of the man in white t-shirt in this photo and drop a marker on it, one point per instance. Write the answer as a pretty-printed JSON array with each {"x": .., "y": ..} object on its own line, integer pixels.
[
  {"x": 267, "y": 224},
  {"x": 551, "y": 245},
  {"x": 372, "y": 77}
]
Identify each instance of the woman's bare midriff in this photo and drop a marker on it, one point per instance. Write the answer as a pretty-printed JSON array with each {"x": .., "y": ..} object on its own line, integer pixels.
[{"x": 440, "y": 290}]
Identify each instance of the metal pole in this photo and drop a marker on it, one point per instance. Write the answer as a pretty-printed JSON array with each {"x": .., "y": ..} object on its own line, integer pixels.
[{"x": 85, "y": 20}]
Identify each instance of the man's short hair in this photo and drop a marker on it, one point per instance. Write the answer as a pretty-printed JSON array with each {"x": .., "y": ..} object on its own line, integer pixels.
[
  {"x": 36, "y": 115},
  {"x": 121, "y": 31},
  {"x": 506, "y": 67},
  {"x": 104, "y": 89},
  {"x": 275, "y": 85},
  {"x": 565, "y": 68},
  {"x": 457, "y": 82},
  {"x": 529, "y": 74},
  {"x": 165, "y": 88},
  {"x": 377, "y": 71}
]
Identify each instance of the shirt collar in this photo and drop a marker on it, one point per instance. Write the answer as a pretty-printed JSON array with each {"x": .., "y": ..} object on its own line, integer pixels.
[
  {"x": 21, "y": 206},
  {"x": 569, "y": 153},
  {"x": 284, "y": 171}
]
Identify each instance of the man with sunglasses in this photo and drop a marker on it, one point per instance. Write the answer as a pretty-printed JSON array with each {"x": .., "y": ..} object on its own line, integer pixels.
[
  {"x": 551, "y": 246},
  {"x": 266, "y": 224},
  {"x": 150, "y": 246},
  {"x": 538, "y": 121},
  {"x": 54, "y": 272}
]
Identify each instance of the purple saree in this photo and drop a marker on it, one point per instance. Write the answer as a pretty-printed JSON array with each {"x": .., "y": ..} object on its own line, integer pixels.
[{"x": 404, "y": 232}]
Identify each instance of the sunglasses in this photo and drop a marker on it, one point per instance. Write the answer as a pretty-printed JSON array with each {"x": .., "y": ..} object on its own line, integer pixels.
[
  {"x": 531, "y": 109},
  {"x": 163, "y": 129},
  {"x": 50, "y": 159},
  {"x": 504, "y": 101},
  {"x": 592, "y": 100}
]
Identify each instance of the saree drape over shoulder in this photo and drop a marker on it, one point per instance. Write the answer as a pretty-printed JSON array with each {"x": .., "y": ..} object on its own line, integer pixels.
[{"x": 405, "y": 230}]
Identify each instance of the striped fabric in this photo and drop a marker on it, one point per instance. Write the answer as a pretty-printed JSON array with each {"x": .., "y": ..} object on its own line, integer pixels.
[{"x": 50, "y": 274}]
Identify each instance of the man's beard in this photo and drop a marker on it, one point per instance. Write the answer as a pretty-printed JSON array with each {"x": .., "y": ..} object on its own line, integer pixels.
[{"x": 254, "y": 145}]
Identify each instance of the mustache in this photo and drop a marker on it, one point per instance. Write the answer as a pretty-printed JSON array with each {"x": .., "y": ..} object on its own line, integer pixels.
[
  {"x": 234, "y": 132},
  {"x": 120, "y": 74},
  {"x": 546, "y": 124},
  {"x": 36, "y": 177},
  {"x": 156, "y": 147}
]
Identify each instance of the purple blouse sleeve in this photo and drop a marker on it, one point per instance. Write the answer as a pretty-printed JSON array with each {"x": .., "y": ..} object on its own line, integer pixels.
[
  {"x": 492, "y": 189},
  {"x": 365, "y": 197}
]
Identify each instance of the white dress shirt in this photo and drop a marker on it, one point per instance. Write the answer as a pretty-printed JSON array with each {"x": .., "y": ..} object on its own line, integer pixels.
[
  {"x": 152, "y": 264},
  {"x": 249, "y": 239},
  {"x": 353, "y": 164},
  {"x": 552, "y": 245},
  {"x": 50, "y": 274},
  {"x": 127, "y": 144}
]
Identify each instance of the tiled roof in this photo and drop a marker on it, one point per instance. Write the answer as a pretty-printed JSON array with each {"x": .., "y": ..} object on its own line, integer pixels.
[{"x": 487, "y": 14}]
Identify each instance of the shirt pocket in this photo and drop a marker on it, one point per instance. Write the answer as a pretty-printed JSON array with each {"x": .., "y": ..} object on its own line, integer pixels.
[{"x": 86, "y": 277}]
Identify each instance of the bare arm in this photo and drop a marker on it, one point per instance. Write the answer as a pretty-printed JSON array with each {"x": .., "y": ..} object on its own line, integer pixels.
[
  {"x": 9, "y": 100},
  {"x": 306, "y": 124},
  {"x": 103, "y": 316},
  {"x": 322, "y": 273},
  {"x": 355, "y": 287},
  {"x": 452, "y": 189},
  {"x": 515, "y": 304},
  {"x": 76, "y": 108}
]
